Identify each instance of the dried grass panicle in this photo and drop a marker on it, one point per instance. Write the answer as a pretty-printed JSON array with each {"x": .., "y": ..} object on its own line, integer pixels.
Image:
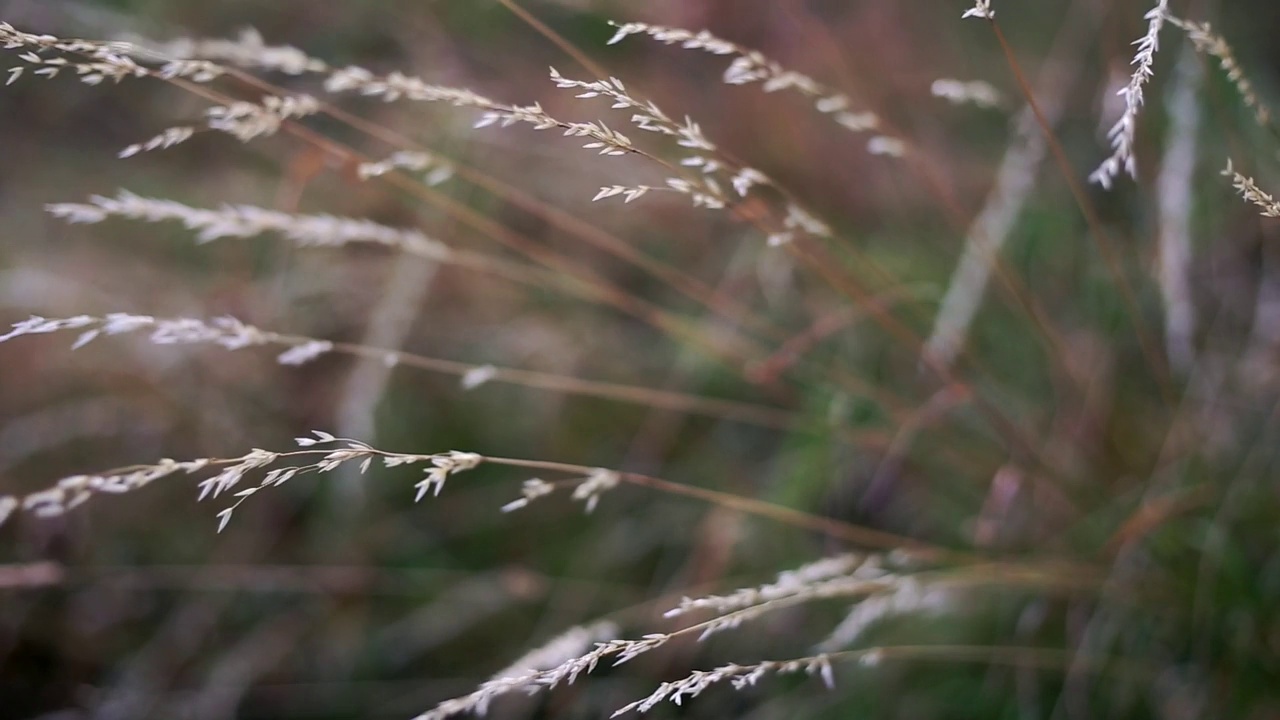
[
  {"x": 329, "y": 452},
  {"x": 797, "y": 221},
  {"x": 1124, "y": 133},
  {"x": 788, "y": 582},
  {"x": 911, "y": 595},
  {"x": 739, "y": 676},
  {"x": 704, "y": 189},
  {"x": 595, "y": 484},
  {"x": 533, "y": 681},
  {"x": 244, "y": 221},
  {"x": 247, "y": 50},
  {"x": 531, "y": 490},
  {"x": 1214, "y": 45},
  {"x": 751, "y": 66},
  {"x": 818, "y": 581},
  {"x": 647, "y": 116},
  {"x": 586, "y": 489},
  {"x": 433, "y": 169},
  {"x": 94, "y": 62},
  {"x": 396, "y": 86},
  {"x": 73, "y": 491},
  {"x": 233, "y": 334},
  {"x": 852, "y": 585},
  {"x": 564, "y": 647},
  {"x": 226, "y": 332},
  {"x": 242, "y": 120},
  {"x": 1248, "y": 189}
]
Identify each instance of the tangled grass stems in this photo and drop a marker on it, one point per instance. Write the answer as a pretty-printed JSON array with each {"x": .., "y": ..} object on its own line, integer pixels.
[
  {"x": 178, "y": 72},
  {"x": 987, "y": 232},
  {"x": 253, "y": 56},
  {"x": 309, "y": 230},
  {"x": 607, "y": 142},
  {"x": 394, "y": 86},
  {"x": 622, "y": 651},
  {"x": 848, "y": 382},
  {"x": 877, "y": 595},
  {"x": 599, "y": 290},
  {"x": 750, "y": 66},
  {"x": 1102, "y": 239},
  {"x": 328, "y": 231}
]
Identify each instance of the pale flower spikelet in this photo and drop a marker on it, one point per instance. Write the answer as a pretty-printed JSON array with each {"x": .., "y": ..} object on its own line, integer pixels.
[
  {"x": 973, "y": 92},
  {"x": 849, "y": 388},
  {"x": 532, "y": 489},
  {"x": 600, "y": 481},
  {"x": 981, "y": 9}
]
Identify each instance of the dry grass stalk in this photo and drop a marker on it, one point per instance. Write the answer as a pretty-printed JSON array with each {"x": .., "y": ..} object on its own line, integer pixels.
[
  {"x": 985, "y": 239},
  {"x": 232, "y": 334}
]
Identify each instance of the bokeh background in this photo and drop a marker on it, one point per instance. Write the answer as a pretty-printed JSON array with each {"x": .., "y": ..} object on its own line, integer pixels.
[{"x": 338, "y": 597}]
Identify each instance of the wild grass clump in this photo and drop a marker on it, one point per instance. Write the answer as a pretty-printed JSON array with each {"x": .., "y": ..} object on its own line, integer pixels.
[{"x": 685, "y": 360}]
